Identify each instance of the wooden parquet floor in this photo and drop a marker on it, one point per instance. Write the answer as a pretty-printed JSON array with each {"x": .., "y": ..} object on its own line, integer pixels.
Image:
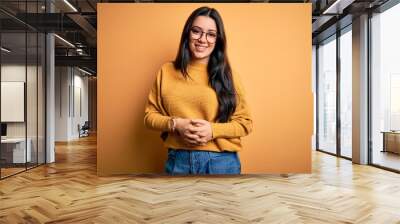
[{"x": 70, "y": 192}]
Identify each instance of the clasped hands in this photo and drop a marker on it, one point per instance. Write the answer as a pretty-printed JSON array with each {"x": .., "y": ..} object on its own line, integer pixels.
[{"x": 194, "y": 132}]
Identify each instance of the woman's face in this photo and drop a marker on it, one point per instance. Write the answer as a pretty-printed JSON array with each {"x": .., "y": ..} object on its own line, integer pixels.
[{"x": 202, "y": 36}]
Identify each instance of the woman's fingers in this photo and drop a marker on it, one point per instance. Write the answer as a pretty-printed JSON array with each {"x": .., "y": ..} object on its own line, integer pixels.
[
  {"x": 194, "y": 139},
  {"x": 195, "y": 132},
  {"x": 192, "y": 142},
  {"x": 198, "y": 121},
  {"x": 191, "y": 136},
  {"x": 199, "y": 134},
  {"x": 194, "y": 129}
]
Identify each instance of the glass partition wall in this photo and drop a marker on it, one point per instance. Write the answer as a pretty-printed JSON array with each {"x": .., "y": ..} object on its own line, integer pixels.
[
  {"x": 334, "y": 93},
  {"x": 385, "y": 89},
  {"x": 334, "y": 114},
  {"x": 326, "y": 56},
  {"x": 22, "y": 88},
  {"x": 345, "y": 62}
]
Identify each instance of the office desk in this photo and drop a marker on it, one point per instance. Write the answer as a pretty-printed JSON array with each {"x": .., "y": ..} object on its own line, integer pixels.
[
  {"x": 13, "y": 150},
  {"x": 391, "y": 141}
]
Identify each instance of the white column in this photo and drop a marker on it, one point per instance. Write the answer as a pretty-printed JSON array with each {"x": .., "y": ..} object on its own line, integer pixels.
[
  {"x": 360, "y": 90},
  {"x": 50, "y": 100}
]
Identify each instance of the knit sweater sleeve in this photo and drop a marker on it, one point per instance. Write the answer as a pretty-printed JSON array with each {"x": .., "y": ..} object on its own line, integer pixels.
[
  {"x": 240, "y": 123},
  {"x": 155, "y": 116}
]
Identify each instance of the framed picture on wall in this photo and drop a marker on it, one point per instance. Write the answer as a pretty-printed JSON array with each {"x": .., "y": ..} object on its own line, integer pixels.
[{"x": 12, "y": 101}]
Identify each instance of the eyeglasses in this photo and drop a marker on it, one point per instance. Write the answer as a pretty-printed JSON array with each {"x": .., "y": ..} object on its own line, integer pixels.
[{"x": 196, "y": 33}]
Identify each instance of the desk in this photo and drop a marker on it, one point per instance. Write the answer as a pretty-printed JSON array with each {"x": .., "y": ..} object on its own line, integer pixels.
[
  {"x": 13, "y": 150},
  {"x": 391, "y": 141}
]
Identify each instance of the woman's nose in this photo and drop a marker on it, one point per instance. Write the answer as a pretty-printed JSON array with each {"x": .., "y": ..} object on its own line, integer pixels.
[{"x": 203, "y": 37}]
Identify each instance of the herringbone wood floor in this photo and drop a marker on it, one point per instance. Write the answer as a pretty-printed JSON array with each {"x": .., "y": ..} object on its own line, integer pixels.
[{"x": 70, "y": 192}]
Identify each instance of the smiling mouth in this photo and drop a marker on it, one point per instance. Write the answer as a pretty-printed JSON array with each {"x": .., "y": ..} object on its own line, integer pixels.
[{"x": 200, "y": 48}]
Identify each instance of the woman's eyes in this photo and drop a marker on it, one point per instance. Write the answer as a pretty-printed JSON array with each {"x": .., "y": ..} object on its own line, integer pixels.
[{"x": 196, "y": 31}]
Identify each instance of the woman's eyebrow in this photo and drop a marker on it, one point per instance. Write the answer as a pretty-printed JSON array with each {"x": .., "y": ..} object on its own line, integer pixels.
[{"x": 207, "y": 30}]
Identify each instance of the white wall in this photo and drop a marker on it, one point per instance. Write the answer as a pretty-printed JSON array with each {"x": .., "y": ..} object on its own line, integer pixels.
[
  {"x": 79, "y": 117},
  {"x": 62, "y": 78},
  {"x": 70, "y": 88}
]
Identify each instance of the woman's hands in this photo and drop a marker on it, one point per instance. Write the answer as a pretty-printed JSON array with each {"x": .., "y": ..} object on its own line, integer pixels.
[{"x": 194, "y": 132}]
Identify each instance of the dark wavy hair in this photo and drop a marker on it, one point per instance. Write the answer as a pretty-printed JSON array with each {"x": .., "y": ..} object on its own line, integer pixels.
[{"x": 219, "y": 69}]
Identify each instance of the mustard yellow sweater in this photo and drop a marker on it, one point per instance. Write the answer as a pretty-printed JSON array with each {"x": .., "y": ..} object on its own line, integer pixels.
[{"x": 174, "y": 96}]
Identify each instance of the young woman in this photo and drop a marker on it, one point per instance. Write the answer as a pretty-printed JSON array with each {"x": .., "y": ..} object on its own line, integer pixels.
[{"x": 197, "y": 102}]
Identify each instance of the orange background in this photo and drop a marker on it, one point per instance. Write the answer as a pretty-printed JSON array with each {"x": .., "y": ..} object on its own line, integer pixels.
[{"x": 269, "y": 45}]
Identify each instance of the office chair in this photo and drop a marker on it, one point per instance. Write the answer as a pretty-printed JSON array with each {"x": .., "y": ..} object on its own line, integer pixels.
[{"x": 84, "y": 130}]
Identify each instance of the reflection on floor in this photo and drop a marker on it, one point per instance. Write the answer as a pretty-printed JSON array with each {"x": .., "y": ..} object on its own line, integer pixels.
[
  {"x": 69, "y": 191},
  {"x": 12, "y": 169},
  {"x": 346, "y": 152},
  {"x": 387, "y": 159}
]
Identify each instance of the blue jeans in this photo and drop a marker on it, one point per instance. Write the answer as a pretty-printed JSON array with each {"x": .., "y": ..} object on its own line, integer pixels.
[{"x": 183, "y": 162}]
